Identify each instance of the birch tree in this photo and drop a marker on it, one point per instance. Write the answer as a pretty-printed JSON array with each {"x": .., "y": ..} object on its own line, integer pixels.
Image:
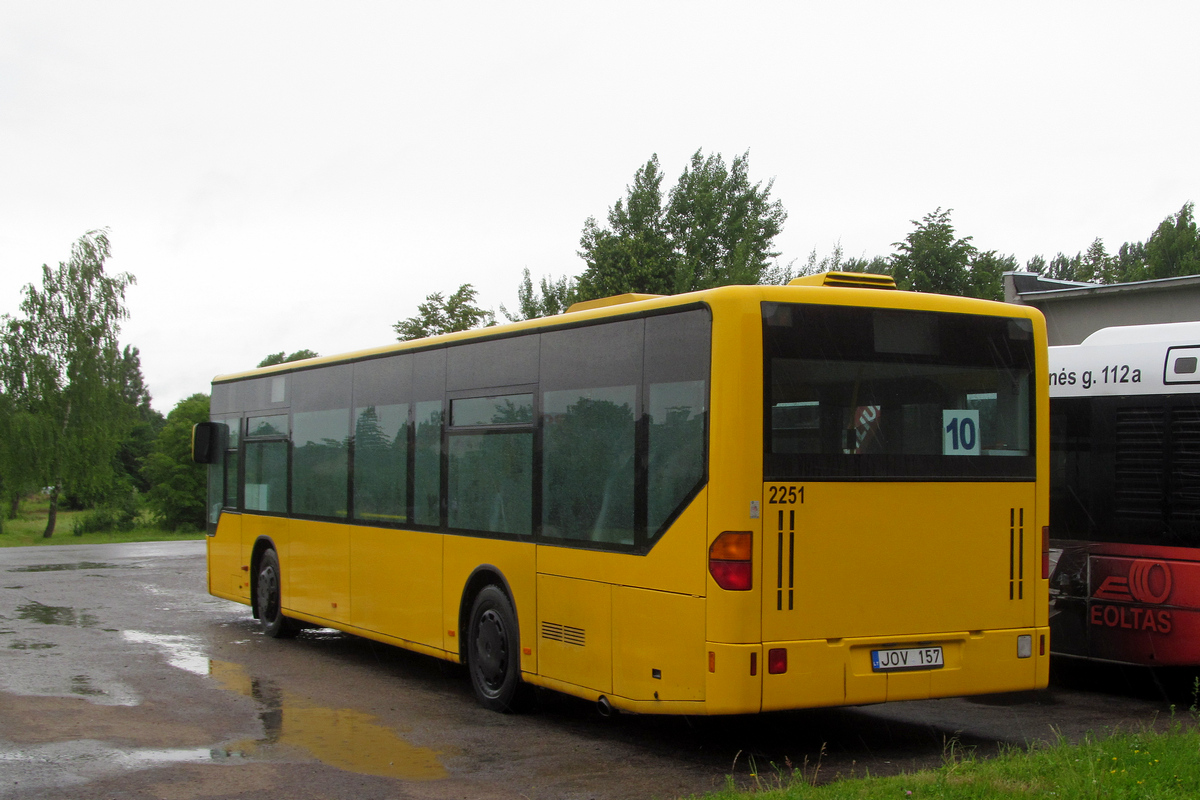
[{"x": 62, "y": 373}]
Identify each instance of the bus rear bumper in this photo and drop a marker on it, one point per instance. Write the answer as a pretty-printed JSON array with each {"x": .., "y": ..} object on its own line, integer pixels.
[{"x": 833, "y": 672}]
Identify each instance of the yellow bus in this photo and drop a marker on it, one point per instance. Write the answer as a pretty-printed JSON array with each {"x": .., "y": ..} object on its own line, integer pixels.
[{"x": 737, "y": 500}]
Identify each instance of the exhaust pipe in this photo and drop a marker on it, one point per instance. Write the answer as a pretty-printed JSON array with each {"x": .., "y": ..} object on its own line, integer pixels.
[{"x": 604, "y": 707}]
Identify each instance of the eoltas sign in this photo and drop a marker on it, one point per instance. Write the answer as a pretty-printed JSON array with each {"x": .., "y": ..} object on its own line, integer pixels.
[{"x": 1127, "y": 581}]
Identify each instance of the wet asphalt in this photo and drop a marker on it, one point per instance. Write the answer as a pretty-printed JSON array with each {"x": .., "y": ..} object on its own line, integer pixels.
[{"x": 120, "y": 677}]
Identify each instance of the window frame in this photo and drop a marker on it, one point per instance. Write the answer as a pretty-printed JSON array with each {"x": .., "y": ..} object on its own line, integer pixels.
[
  {"x": 430, "y": 383},
  {"x": 837, "y": 467},
  {"x": 451, "y": 431},
  {"x": 273, "y": 438}
]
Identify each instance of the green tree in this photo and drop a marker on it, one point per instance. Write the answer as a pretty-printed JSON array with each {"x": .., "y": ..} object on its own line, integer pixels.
[
  {"x": 1097, "y": 266},
  {"x": 146, "y": 421},
  {"x": 7, "y": 458},
  {"x": 633, "y": 254},
  {"x": 62, "y": 370},
  {"x": 932, "y": 259},
  {"x": 19, "y": 462},
  {"x": 438, "y": 315},
  {"x": 1174, "y": 247},
  {"x": 714, "y": 228},
  {"x": 985, "y": 277},
  {"x": 1063, "y": 268},
  {"x": 1131, "y": 262},
  {"x": 177, "y": 485},
  {"x": 721, "y": 227},
  {"x": 555, "y": 297},
  {"x": 876, "y": 264},
  {"x": 281, "y": 358}
]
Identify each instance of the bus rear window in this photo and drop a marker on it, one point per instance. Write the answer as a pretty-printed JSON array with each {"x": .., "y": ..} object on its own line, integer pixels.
[{"x": 881, "y": 394}]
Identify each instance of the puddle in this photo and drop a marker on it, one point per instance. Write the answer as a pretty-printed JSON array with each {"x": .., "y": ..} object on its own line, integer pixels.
[
  {"x": 23, "y": 645},
  {"x": 182, "y": 652},
  {"x": 82, "y": 685},
  {"x": 179, "y": 755},
  {"x": 344, "y": 738},
  {"x": 68, "y": 766},
  {"x": 55, "y": 615},
  {"x": 77, "y": 565}
]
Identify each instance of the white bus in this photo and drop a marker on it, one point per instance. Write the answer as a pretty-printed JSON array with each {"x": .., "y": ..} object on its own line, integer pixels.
[{"x": 1125, "y": 495}]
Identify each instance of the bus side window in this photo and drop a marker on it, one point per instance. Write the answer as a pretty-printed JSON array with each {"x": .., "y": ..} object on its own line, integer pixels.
[
  {"x": 265, "y": 485},
  {"x": 382, "y": 390},
  {"x": 590, "y": 380},
  {"x": 489, "y": 482},
  {"x": 321, "y": 442},
  {"x": 677, "y": 365},
  {"x": 429, "y": 387}
]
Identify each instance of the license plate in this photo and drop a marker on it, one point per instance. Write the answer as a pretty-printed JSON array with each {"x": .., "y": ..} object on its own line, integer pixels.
[{"x": 906, "y": 658}]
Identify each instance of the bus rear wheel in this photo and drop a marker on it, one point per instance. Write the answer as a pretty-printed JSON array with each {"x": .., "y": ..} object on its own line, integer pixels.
[
  {"x": 493, "y": 658},
  {"x": 268, "y": 598}
]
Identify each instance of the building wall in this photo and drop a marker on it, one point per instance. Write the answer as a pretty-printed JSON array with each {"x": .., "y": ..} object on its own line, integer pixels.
[{"x": 1074, "y": 312}]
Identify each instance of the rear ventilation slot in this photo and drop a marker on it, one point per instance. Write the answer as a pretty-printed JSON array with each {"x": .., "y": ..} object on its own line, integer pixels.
[{"x": 1016, "y": 554}]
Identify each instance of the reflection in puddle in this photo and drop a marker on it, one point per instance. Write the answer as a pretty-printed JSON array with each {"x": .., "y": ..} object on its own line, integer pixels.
[
  {"x": 55, "y": 615},
  {"x": 82, "y": 685},
  {"x": 23, "y": 645},
  {"x": 79, "y": 565},
  {"x": 181, "y": 651},
  {"x": 179, "y": 755},
  {"x": 343, "y": 738}
]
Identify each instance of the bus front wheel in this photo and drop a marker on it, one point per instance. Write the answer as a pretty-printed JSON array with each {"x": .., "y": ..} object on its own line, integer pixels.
[
  {"x": 493, "y": 658},
  {"x": 268, "y": 598}
]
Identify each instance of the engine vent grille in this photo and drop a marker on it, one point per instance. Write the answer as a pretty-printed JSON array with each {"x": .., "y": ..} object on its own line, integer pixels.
[{"x": 566, "y": 634}]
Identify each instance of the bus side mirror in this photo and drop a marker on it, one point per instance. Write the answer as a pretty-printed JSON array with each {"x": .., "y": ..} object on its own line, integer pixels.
[{"x": 205, "y": 436}]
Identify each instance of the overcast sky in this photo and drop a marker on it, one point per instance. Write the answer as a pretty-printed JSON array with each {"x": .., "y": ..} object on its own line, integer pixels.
[{"x": 293, "y": 175}]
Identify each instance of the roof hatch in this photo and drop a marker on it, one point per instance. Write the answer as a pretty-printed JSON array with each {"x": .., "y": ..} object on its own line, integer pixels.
[{"x": 856, "y": 280}]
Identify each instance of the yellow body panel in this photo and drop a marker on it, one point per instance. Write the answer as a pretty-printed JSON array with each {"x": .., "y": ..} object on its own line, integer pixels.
[
  {"x": 396, "y": 581},
  {"x": 575, "y": 631},
  {"x": 658, "y": 645},
  {"x": 226, "y": 578},
  {"x": 318, "y": 573},
  {"x": 677, "y": 564},
  {"x": 838, "y": 671},
  {"x": 733, "y": 681},
  {"x": 862, "y": 559}
]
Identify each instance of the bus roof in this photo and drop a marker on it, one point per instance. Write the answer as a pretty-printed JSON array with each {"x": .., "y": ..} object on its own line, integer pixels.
[
  {"x": 1129, "y": 360},
  {"x": 1174, "y": 332},
  {"x": 833, "y": 288}
]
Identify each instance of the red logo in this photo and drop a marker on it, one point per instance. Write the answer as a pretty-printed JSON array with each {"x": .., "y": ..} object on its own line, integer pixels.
[{"x": 1148, "y": 582}]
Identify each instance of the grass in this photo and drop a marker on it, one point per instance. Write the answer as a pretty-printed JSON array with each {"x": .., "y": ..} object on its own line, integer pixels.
[
  {"x": 27, "y": 529},
  {"x": 1148, "y": 764}
]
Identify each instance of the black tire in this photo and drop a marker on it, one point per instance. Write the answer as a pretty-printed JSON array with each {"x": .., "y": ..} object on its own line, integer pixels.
[
  {"x": 267, "y": 600},
  {"x": 493, "y": 652}
]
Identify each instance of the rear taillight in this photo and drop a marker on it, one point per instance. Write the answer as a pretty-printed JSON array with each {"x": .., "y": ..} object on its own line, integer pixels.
[
  {"x": 1045, "y": 552},
  {"x": 730, "y": 562}
]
